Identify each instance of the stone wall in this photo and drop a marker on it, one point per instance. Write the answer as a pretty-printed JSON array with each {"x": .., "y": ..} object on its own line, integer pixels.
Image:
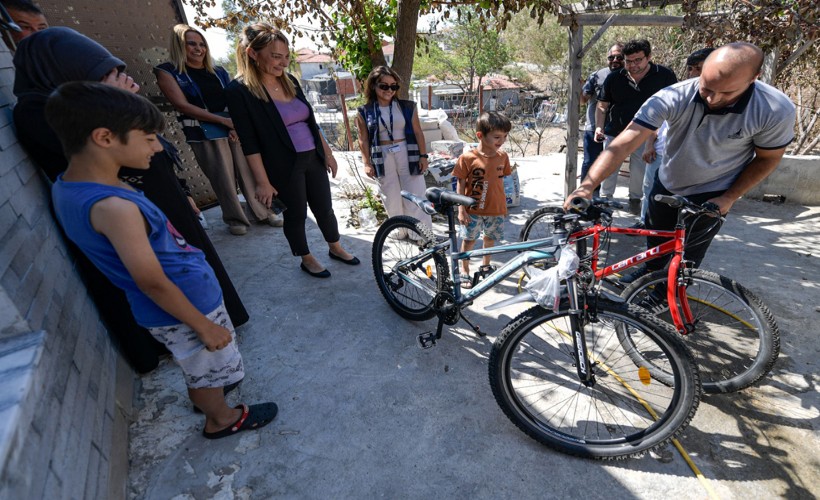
[
  {"x": 797, "y": 178},
  {"x": 66, "y": 394}
]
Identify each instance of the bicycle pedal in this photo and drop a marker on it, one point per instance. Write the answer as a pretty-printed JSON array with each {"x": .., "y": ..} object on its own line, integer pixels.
[
  {"x": 427, "y": 340},
  {"x": 487, "y": 270}
]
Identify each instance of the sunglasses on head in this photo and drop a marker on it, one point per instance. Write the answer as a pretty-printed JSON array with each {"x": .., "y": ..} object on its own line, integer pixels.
[
  {"x": 614, "y": 58},
  {"x": 395, "y": 87}
]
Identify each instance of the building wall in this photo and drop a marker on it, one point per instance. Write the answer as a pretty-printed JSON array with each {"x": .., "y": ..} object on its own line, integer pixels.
[{"x": 65, "y": 395}]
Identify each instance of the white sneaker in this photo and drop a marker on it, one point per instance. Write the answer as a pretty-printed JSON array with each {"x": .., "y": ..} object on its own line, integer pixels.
[
  {"x": 238, "y": 230},
  {"x": 275, "y": 220}
]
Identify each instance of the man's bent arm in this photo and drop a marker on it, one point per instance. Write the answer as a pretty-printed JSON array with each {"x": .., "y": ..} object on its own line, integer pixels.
[
  {"x": 610, "y": 159},
  {"x": 763, "y": 164}
]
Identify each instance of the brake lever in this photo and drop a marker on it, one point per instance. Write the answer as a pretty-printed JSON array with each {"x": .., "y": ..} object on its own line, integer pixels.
[{"x": 713, "y": 207}]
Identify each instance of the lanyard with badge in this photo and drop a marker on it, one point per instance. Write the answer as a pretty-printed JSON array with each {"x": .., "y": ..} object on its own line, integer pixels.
[{"x": 392, "y": 148}]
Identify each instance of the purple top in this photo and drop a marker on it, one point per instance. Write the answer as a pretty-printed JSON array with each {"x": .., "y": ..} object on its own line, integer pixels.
[{"x": 295, "y": 114}]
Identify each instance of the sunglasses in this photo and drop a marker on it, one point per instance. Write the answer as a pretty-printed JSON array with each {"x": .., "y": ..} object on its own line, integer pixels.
[
  {"x": 395, "y": 87},
  {"x": 614, "y": 58}
]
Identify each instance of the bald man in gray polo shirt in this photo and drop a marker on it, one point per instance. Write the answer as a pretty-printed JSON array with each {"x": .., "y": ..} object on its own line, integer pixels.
[{"x": 727, "y": 132}]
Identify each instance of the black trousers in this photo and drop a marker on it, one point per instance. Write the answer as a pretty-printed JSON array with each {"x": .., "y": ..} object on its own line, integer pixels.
[
  {"x": 700, "y": 231},
  {"x": 308, "y": 186}
]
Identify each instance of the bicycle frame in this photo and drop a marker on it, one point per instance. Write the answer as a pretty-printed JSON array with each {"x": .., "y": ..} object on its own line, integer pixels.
[
  {"x": 682, "y": 316},
  {"x": 531, "y": 252}
]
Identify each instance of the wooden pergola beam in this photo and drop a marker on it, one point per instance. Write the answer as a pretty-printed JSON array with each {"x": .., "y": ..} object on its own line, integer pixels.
[
  {"x": 620, "y": 20},
  {"x": 615, "y": 5},
  {"x": 596, "y": 36}
]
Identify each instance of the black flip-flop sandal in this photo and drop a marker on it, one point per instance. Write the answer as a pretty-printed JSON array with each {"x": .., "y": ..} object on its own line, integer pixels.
[{"x": 253, "y": 417}]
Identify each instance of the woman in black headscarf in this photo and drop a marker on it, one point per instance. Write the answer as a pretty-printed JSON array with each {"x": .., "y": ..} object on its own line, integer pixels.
[{"x": 57, "y": 55}]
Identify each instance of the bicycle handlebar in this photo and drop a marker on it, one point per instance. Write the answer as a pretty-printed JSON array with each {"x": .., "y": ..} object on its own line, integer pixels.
[
  {"x": 592, "y": 209},
  {"x": 438, "y": 195},
  {"x": 677, "y": 201}
]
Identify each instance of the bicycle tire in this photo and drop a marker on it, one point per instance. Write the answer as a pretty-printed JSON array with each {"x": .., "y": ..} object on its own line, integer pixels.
[
  {"x": 736, "y": 340},
  {"x": 411, "y": 293},
  {"x": 540, "y": 224},
  {"x": 534, "y": 380}
]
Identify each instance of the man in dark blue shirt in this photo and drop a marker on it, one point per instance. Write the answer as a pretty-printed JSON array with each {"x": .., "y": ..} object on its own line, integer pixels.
[
  {"x": 589, "y": 96},
  {"x": 622, "y": 94}
]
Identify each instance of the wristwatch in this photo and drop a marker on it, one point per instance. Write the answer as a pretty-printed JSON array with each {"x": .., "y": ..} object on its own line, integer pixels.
[{"x": 423, "y": 156}]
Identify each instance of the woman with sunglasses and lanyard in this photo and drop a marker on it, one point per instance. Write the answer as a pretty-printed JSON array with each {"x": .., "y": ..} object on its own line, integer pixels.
[
  {"x": 392, "y": 143},
  {"x": 287, "y": 153},
  {"x": 196, "y": 89}
]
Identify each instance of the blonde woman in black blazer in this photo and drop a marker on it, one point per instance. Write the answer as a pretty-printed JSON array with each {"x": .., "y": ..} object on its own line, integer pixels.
[{"x": 281, "y": 140}]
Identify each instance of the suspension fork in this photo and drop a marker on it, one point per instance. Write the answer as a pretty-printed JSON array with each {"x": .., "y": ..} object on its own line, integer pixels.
[{"x": 577, "y": 321}]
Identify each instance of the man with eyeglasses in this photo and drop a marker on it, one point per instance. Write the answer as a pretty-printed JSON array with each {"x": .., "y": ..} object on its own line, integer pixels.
[
  {"x": 621, "y": 95},
  {"x": 589, "y": 93}
]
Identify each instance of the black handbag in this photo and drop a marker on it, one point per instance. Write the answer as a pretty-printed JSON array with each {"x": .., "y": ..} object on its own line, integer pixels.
[{"x": 214, "y": 130}]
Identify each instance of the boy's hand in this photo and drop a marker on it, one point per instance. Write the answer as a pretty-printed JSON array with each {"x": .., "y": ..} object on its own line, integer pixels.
[
  {"x": 214, "y": 337},
  {"x": 463, "y": 217}
]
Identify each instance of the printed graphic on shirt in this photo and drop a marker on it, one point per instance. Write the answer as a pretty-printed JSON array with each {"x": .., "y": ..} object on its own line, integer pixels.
[
  {"x": 483, "y": 180},
  {"x": 178, "y": 238}
]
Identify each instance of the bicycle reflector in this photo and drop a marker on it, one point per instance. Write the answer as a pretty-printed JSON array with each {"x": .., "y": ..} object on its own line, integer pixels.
[
  {"x": 644, "y": 375},
  {"x": 429, "y": 270}
]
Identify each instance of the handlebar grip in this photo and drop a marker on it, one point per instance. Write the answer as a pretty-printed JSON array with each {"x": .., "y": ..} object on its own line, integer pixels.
[
  {"x": 438, "y": 195},
  {"x": 579, "y": 204},
  {"x": 673, "y": 201}
]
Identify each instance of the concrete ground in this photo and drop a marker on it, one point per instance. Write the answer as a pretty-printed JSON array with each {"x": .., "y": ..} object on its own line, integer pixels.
[{"x": 364, "y": 412}]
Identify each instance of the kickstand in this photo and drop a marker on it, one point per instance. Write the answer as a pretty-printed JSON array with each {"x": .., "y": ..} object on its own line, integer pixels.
[
  {"x": 428, "y": 339},
  {"x": 475, "y": 328}
]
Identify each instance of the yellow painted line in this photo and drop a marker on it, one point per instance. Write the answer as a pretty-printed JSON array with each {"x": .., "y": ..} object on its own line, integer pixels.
[
  {"x": 724, "y": 311},
  {"x": 698, "y": 474}
]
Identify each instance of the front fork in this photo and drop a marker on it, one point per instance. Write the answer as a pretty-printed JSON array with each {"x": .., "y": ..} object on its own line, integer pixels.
[
  {"x": 577, "y": 321},
  {"x": 676, "y": 297}
]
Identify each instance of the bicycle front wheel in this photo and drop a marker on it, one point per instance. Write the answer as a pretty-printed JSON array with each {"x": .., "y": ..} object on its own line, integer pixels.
[
  {"x": 408, "y": 276},
  {"x": 736, "y": 340},
  {"x": 624, "y": 412}
]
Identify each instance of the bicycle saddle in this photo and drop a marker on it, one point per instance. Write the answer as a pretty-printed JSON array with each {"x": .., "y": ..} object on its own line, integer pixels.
[{"x": 440, "y": 196}]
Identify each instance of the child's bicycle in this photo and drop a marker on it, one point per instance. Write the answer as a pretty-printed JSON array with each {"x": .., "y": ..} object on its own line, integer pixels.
[
  {"x": 732, "y": 333},
  {"x": 566, "y": 377}
]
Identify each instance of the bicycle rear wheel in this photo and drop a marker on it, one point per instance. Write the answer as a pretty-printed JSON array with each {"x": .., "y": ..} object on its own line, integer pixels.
[
  {"x": 625, "y": 412},
  {"x": 736, "y": 340},
  {"x": 408, "y": 281}
]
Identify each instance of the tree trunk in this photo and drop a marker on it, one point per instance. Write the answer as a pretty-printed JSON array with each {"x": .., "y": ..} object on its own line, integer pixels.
[{"x": 405, "y": 46}]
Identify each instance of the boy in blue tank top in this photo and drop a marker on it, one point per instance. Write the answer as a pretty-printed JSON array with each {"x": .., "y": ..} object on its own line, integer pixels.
[{"x": 171, "y": 288}]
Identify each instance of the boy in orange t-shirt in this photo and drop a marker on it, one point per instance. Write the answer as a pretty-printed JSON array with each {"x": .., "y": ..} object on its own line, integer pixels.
[{"x": 480, "y": 175}]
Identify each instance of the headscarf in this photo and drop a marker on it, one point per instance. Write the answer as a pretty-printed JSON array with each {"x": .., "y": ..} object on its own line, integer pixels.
[{"x": 57, "y": 55}]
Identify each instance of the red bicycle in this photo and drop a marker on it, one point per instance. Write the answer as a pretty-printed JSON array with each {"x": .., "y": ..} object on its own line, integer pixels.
[{"x": 730, "y": 330}]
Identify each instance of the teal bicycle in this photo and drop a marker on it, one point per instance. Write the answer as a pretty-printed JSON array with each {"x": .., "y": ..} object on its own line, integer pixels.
[{"x": 565, "y": 377}]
